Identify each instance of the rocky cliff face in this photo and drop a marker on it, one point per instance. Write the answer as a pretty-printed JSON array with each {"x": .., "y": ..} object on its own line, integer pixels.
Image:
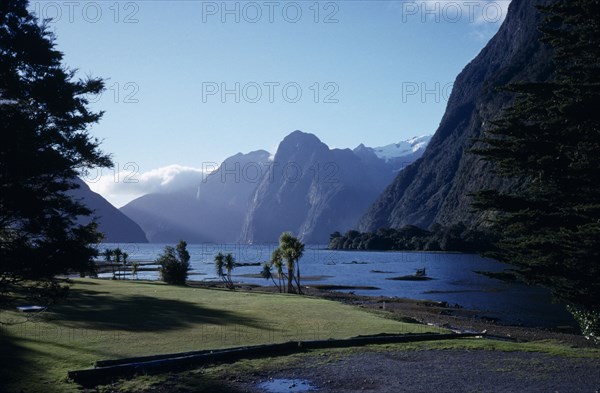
[
  {"x": 313, "y": 191},
  {"x": 436, "y": 188},
  {"x": 305, "y": 188},
  {"x": 214, "y": 211},
  {"x": 116, "y": 226}
]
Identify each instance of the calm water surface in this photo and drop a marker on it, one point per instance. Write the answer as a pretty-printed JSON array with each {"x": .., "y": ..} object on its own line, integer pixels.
[{"x": 454, "y": 278}]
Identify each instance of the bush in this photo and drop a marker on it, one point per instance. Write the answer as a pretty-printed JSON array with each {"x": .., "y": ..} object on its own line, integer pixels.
[
  {"x": 174, "y": 264},
  {"x": 589, "y": 322}
]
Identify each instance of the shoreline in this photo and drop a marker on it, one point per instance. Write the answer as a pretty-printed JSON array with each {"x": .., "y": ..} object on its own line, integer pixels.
[{"x": 428, "y": 312}]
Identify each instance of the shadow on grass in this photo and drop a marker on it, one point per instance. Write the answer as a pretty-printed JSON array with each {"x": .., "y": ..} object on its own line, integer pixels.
[
  {"x": 13, "y": 362},
  {"x": 139, "y": 313}
]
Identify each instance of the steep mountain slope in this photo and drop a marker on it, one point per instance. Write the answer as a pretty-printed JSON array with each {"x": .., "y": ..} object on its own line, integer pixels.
[
  {"x": 306, "y": 188},
  {"x": 214, "y": 211},
  {"x": 313, "y": 190},
  {"x": 435, "y": 189},
  {"x": 116, "y": 226}
]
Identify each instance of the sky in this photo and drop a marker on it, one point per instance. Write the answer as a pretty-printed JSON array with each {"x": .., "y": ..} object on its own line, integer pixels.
[{"x": 190, "y": 83}]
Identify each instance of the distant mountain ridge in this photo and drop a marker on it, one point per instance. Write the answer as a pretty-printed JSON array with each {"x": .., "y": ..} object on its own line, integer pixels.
[
  {"x": 436, "y": 188},
  {"x": 116, "y": 226},
  {"x": 402, "y": 149},
  {"x": 305, "y": 187},
  {"x": 213, "y": 211}
]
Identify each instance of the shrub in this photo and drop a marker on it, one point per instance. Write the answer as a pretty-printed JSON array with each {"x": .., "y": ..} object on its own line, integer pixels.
[
  {"x": 174, "y": 264},
  {"x": 589, "y": 322}
]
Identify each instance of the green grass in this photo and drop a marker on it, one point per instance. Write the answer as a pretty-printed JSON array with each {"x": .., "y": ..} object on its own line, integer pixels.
[{"x": 112, "y": 319}]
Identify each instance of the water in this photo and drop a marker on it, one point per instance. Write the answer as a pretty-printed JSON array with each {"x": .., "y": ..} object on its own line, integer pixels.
[
  {"x": 284, "y": 385},
  {"x": 454, "y": 278}
]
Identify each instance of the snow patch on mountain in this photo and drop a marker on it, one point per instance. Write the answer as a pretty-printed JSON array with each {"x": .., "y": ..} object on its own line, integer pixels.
[{"x": 402, "y": 148}]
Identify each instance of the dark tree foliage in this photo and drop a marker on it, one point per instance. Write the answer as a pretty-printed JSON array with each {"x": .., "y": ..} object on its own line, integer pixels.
[
  {"x": 174, "y": 264},
  {"x": 411, "y": 238},
  {"x": 44, "y": 143},
  {"x": 549, "y": 138}
]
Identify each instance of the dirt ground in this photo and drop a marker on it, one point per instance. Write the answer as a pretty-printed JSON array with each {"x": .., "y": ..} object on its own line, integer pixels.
[{"x": 436, "y": 371}]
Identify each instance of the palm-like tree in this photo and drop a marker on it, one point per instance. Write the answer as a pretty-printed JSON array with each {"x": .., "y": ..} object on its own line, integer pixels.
[
  {"x": 222, "y": 263},
  {"x": 229, "y": 265},
  {"x": 219, "y": 263},
  {"x": 134, "y": 269},
  {"x": 292, "y": 250},
  {"x": 266, "y": 273},
  {"x": 117, "y": 252},
  {"x": 125, "y": 256},
  {"x": 297, "y": 253},
  {"x": 108, "y": 254},
  {"x": 277, "y": 263}
]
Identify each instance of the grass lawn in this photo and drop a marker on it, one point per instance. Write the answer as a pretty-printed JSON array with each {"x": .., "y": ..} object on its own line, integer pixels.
[{"x": 105, "y": 319}]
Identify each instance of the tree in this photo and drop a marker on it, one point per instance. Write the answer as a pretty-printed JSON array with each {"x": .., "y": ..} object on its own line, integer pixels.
[
  {"x": 291, "y": 250},
  {"x": 277, "y": 263},
  {"x": 549, "y": 139},
  {"x": 222, "y": 263},
  {"x": 267, "y": 274},
  {"x": 118, "y": 253},
  {"x": 229, "y": 265},
  {"x": 125, "y": 256},
  {"x": 44, "y": 145},
  {"x": 135, "y": 267},
  {"x": 182, "y": 252},
  {"x": 108, "y": 254},
  {"x": 174, "y": 264}
]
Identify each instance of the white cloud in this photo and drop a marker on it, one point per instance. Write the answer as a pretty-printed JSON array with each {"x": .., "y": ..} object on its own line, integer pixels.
[{"x": 120, "y": 187}]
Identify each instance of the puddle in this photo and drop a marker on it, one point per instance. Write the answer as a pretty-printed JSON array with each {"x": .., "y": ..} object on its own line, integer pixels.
[{"x": 284, "y": 385}]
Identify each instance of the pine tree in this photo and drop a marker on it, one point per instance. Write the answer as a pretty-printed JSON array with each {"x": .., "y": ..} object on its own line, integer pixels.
[
  {"x": 549, "y": 139},
  {"x": 44, "y": 144}
]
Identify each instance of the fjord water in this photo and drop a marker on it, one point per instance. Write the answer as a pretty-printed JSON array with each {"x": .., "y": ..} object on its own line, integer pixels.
[{"x": 454, "y": 277}]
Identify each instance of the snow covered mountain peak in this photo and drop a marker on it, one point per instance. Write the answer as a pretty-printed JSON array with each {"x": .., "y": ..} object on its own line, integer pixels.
[{"x": 403, "y": 148}]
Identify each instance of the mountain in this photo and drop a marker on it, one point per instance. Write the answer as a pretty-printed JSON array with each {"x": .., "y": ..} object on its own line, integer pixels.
[
  {"x": 398, "y": 155},
  {"x": 213, "y": 211},
  {"x": 402, "y": 149},
  {"x": 313, "y": 190},
  {"x": 306, "y": 188},
  {"x": 116, "y": 226},
  {"x": 436, "y": 188}
]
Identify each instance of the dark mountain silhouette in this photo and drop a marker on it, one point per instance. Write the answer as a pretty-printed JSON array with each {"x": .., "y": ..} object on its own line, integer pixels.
[
  {"x": 436, "y": 188},
  {"x": 313, "y": 191},
  {"x": 116, "y": 226}
]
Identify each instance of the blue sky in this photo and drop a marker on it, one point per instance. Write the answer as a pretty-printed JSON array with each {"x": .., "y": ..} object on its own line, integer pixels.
[{"x": 372, "y": 72}]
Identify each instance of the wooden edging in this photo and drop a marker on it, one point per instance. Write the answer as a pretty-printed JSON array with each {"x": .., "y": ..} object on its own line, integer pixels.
[{"x": 110, "y": 369}]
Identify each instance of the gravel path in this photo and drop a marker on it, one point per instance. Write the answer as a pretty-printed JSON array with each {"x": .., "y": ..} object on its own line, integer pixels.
[{"x": 439, "y": 371}]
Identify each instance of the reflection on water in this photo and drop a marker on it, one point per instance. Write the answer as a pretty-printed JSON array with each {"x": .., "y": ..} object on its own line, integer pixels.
[
  {"x": 284, "y": 385},
  {"x": 453, "y": 277}
]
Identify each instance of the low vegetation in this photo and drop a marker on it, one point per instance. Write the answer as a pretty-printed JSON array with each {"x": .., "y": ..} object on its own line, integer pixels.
[
  {"x": 108, "y": 319},
  {"x": 174, "y": 264},
  {"x": 455, "y": 238},
  {"x": 118, "y": 264}
]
